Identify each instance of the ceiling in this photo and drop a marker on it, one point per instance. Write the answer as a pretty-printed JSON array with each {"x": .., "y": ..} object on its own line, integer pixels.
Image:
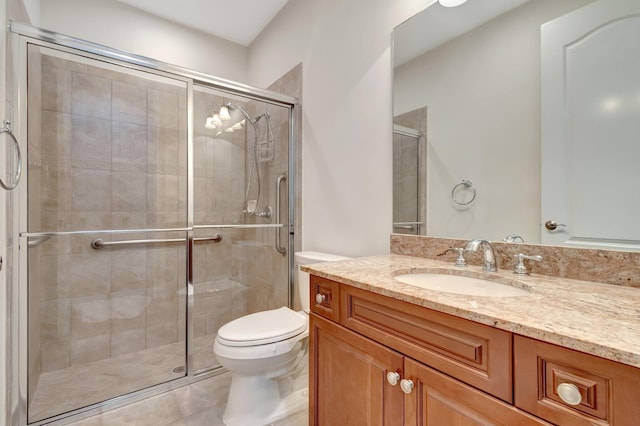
[
  {"x": 437, "y": 24},
  {"x": 239, "y": 21}
]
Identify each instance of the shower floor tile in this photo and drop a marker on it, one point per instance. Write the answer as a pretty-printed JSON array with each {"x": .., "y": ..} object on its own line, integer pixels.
[
  {"x": 199, "y": 404},
  {"x": 74, "y": 387}
]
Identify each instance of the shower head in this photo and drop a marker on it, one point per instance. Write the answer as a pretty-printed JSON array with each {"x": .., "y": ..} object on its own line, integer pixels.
[{"x": 243, "y": 112}]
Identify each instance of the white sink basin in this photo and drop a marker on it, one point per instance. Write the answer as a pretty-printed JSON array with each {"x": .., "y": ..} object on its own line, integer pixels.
[{"x": 461, "y": 284}]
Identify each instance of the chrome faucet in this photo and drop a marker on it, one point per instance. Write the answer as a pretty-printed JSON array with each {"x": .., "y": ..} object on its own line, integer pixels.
[{"x": 489, "y": 264}]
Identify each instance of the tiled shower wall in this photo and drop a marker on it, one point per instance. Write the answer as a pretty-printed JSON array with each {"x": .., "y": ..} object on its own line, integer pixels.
[{"x": 112, "y": 155}]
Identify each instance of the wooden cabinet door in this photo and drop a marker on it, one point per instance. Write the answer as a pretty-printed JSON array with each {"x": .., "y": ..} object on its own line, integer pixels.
[
  {"x": 348, "y": 378},
  {"x": 438, "y": 400}
]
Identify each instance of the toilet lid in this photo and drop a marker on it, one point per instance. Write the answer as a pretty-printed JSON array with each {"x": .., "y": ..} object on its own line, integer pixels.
[{"x": 262, "y": 328}]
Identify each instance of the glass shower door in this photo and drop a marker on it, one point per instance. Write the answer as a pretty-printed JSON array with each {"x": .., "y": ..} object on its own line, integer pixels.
[
  {"x": 106, "y": 230},
  {"x": 240, "y": 155}
]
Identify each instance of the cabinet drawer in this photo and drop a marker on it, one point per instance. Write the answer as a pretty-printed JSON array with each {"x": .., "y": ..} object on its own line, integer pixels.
[
  {"x": 325, "y": 298},
  {"x": 594, "y": 391},
  {"x": 473, "y": 353}
]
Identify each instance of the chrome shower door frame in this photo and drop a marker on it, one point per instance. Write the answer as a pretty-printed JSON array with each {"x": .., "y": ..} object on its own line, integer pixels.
[{"x": 17, "y": 359}]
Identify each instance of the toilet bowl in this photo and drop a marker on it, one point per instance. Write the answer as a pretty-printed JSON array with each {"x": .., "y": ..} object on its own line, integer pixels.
[{"x": 260, "y": 350}]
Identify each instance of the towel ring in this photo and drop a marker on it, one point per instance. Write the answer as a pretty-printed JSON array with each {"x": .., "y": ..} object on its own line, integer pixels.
[
  {"x": 465, "y": 184},
  {"x": 7, "y": 129}
]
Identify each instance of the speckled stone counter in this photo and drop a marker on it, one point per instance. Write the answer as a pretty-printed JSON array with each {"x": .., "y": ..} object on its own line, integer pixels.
[{"x": 599, "y": 319}]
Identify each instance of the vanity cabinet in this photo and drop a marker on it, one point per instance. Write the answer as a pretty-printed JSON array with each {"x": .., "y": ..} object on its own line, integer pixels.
[
  {"x": 371, "y": 365},
  {"x": 377, "y": 360}
]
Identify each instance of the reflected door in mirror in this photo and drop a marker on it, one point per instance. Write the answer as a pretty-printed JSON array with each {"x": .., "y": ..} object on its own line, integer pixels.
[{"x": 590, "y": 125}]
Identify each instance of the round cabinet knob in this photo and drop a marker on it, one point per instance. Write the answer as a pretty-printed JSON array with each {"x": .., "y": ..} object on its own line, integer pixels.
[
  {"x": 569, "y": 393},
  {"x": 393, "y": 378},
  {"x": 320, "y": 298},
  {"x": 406, "y": 385}
]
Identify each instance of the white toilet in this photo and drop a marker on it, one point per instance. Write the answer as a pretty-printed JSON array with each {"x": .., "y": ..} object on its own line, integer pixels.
[{"x": 260, "y": 348}]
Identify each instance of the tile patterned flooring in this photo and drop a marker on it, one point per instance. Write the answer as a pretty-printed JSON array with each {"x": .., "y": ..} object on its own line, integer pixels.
[
  {"x": 78, "y": 386},
  {"x": 199, "y": 404}
]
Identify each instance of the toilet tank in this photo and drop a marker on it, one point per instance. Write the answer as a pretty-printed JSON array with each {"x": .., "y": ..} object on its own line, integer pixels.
[{"x": 302, "y": 278}]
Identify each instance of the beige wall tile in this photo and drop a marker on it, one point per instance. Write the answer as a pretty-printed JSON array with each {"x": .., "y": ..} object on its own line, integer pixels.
[
  {"x": 129, "y": 102},
  {"x": 90, "y": 96},
  {"x": 56, "y": 319},
  {"x": 128, "y": 191},
  {"x": 90, "y": 316},
  {"x": 56, "y": 89},
  {"x": 56, "y": 133},
  {"x": 56, "y": 188},
  {"x": 90, "y": 349},
  {"x": 161, "y": 333},
  {"x": 56, "y": 355},
  {"x": 90, "y": 138},
  {"x": 162, "y": 193},
  {"x": 162, "y": 269},
  {"x": 52, "y": 287},
  {"x": 128, "y": 312},
  {"x": 162, "y": 150},
  {"x": 162, "y": 109},
  {"x": 91, "y": 190},
  {"x": 129, "y": 143},
  {"x": 128, "y": 341},
  {"x": 129, "y": 270},
  {"x": 85, "y": 274}
]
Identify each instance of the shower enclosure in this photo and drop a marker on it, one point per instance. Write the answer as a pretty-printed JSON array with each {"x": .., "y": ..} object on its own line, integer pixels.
[
  {"x": 147, "y": 220},
  {"x": 410, "y": 172},
  {"x": 408, "y": 197}
]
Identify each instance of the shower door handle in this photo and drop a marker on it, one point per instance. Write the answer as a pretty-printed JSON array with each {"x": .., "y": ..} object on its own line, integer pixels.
[{"x": 281, "y": 178}]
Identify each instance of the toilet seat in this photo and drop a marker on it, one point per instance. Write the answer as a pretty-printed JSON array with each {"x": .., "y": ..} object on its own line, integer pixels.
[{"x": 262, "y": 328}]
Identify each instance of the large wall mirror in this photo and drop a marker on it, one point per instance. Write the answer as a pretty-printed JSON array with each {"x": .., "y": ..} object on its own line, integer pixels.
[{"x": 527, "y": 120}]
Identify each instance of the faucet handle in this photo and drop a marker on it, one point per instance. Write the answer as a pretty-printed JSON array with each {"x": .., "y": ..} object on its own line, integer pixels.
[
  {"x": 520, "y": 268},
  {"x": 460, "y": 262}
]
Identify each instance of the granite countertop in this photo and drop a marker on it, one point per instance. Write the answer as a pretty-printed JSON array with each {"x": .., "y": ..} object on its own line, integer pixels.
[{"x": 600, "y": 319}]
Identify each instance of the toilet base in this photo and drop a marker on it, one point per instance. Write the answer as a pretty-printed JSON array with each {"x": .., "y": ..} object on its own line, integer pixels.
[{"x": 257, "y": 401}]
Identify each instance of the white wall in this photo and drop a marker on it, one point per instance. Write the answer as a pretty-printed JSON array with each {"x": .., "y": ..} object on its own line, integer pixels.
[
  {"x": 344, "y": 47},
  {"x": 482, "y": 91},
  {"x": 113, "y": 24}
]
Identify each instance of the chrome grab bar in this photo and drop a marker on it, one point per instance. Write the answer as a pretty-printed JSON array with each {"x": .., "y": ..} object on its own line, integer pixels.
[
  {"x": 249, "y": 226},
  {"x": 99, "y": 243},
  {"x": 279, "y": 248},
  {"x": 406, "y": 225}
]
